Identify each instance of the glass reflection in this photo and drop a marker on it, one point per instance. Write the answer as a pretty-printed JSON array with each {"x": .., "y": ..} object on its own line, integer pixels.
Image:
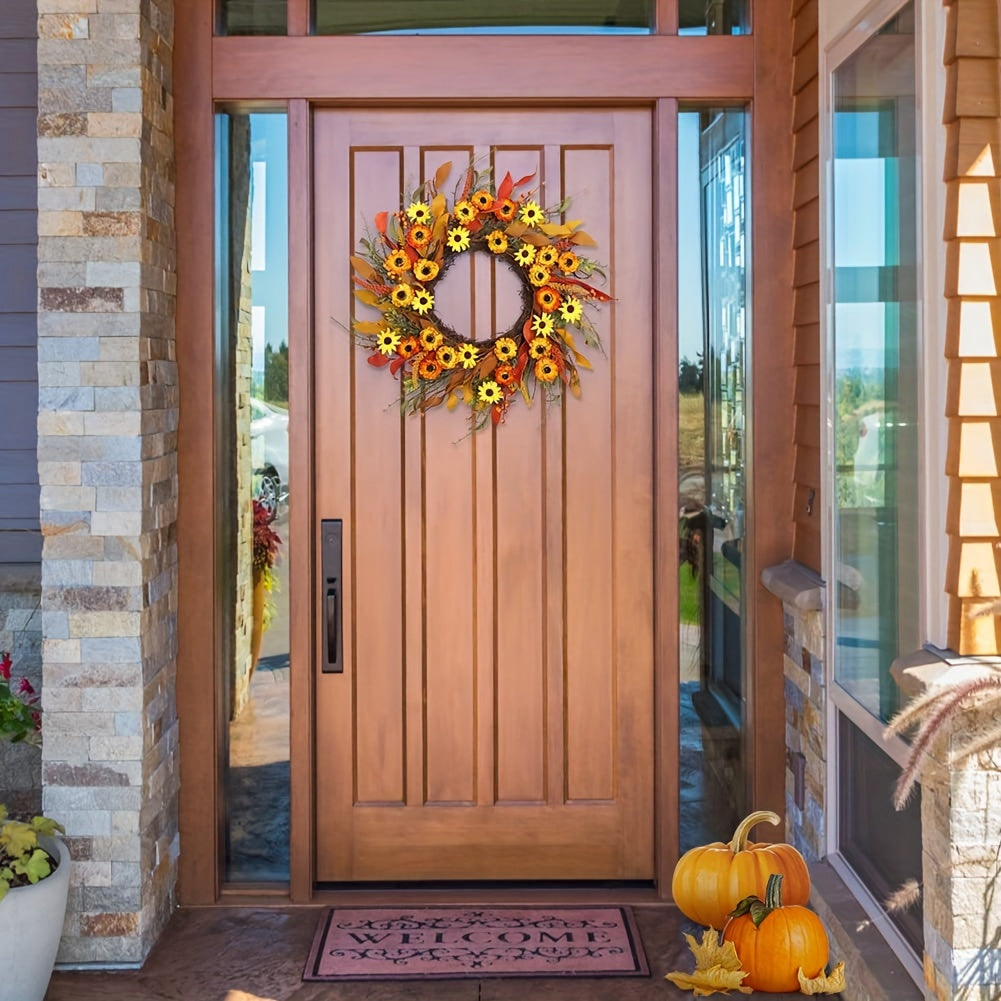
[
  {"x": 338, "y": 17},
  {"x": 714, "y": 17},
  {"x": 876, "y": 364},
  {"x": 252, "y": 17},
  {"x": 712, "y": 202},
  {"x": 252, "y": 250}
]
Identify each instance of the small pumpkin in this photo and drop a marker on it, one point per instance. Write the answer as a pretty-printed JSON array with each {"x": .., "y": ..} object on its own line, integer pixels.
[
  {"x": 709, "y": 881},
  {"x": 774, "y": 941}
]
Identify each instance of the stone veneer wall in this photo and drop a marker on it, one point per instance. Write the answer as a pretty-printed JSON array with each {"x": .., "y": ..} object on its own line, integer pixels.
[
  {"x": 21, "y": 635},
  {"x": 107, "y": 445}
]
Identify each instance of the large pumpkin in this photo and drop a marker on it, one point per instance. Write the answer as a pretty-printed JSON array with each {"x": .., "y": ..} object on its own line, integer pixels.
[
  {"x": 709, "y": 881},
  {"x": 774, "y": 941}
]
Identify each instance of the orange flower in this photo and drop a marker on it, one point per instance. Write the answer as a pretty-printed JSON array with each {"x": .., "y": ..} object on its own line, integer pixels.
[
  {"x": 547, "y": 299},
  {"x": 431, "y": 339},
  {"x": 482, "y": 199},
  {"x": 497, "y": 242},
  {"x": 425, "y": 270},
  {"x": 539, "y": 348},
  {"x": 547, "y": 256},
  {"x": 505, "y": 210},
  {"x": 538, "y": 275},
  {"x": 418, "y": 236},
  {"x": 503, "y": 375},
  {"x": 408, "y": 347},
  {"x": 397, "y": 263},
  {"x": 429, "y": 368},
  {"x": 465, "y": 212},
  {"x": 569, "y": 262},
  {"x": 505, "y": 348},
  {"x": 545, "y": 370},
  {"x": 447, "y": 356}
]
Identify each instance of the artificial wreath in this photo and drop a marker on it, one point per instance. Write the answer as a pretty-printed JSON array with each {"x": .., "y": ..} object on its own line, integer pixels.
[{"x": 399, "y": 266}]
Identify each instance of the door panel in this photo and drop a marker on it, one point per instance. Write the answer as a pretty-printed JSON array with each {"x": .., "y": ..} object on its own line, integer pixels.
[{"x": 495, "y": 715}]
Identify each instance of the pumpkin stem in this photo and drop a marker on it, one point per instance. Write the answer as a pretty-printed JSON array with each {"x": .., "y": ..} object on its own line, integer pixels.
[
  {"x": 773, "y": 891},
  {"x": 760, "y": 909},
  {"x": 739, "y": 840}
]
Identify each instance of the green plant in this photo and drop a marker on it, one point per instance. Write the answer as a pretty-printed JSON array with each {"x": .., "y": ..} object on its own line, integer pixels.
[
  {"x": 22, "y": 858},
  {"x": 20, "y": 719}
]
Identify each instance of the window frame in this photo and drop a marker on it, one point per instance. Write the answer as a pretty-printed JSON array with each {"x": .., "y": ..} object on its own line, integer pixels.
[{"x": 932, "y": 434}]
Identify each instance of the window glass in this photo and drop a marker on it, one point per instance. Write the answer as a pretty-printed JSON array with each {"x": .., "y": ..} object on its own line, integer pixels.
[
  {"x": 876, "y": 352},
  {"x": 882, "y": 845},
  {"x": 252, "y": 439},
  {"x": 252, "y": 17},
  {"x": 336, "y": 17},
  {"x": 712, "y": 355},
  {"x": 714, "y": 17}
]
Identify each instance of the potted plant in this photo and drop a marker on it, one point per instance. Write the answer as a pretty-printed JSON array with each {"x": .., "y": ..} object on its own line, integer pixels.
[
  {"x": 266, "y": 543},
  {"x": 34, "y": 864}
]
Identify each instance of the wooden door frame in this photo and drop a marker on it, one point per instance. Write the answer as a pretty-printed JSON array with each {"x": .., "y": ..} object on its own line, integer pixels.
[{"x": 657, "y": 71}]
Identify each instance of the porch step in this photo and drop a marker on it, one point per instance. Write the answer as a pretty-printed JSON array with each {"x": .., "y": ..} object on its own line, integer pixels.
[{"x": 872, "y": 971}]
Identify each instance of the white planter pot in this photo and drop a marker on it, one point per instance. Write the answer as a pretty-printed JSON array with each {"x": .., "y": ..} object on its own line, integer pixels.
[{"x": 31, "y": 925}]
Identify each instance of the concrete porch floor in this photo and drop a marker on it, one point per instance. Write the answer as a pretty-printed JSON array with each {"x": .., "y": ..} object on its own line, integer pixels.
[{"x": 246, "y": 954}]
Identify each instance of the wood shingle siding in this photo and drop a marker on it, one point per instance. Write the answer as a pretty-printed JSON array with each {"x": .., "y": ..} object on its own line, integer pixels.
[
  {"x": 20, "y": 539},
  {"x": 806, "y": 282}
]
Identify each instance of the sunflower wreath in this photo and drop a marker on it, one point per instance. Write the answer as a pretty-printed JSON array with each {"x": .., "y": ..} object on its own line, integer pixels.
[{"x": 397, "y": 271}]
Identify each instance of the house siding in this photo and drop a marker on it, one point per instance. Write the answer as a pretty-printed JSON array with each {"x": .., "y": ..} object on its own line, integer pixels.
[
  {"x": 807, "y": 506},
  {"x": 20, "y": 538}
]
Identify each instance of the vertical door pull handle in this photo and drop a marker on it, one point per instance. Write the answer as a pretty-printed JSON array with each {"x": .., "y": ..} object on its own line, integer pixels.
[{"x": 331, "y": 598}]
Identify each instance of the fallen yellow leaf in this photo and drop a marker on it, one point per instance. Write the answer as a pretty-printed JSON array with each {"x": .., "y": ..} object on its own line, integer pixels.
[
  {"x": 833, "y": 983},
  {"x": 705, "y": 982},
  {"x": 710, "y": 952}
]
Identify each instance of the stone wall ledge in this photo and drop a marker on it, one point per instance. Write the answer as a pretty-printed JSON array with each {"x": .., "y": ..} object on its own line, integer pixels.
[
  {"x": 931, "y": 667},
  {"x": 26, "y": 577},
  {"x": 872, "y": 970},
  {"x": 796, "y": 585}
]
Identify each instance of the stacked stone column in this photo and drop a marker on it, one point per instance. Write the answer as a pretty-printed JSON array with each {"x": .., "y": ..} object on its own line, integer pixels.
[{"x": 107, "y": 442}]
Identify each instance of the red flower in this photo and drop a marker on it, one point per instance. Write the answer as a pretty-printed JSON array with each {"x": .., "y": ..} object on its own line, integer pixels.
[
  {"x": 25, "y": 687},
  {"x": 5, "y": 665}
]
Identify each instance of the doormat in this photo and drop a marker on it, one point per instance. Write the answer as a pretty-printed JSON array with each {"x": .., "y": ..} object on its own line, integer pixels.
[{"x": 443, "y": 943}]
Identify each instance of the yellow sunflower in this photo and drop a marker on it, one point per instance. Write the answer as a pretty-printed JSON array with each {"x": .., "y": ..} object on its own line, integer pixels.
[
  {"x": 538, "y": 275},
  {"x": 569, "y": 262},
  {"x": 489, "y": 392},
  {"x": 397, "y": 262},
  {"x": 431, "y": 339},
  {"x": 497, "y": 242},
  {"x": 402, "y": 295},
  {"x": 425, "y": 270},
  {"x": 429, "y": 369},
  {"x": 468, "y": 355},
  {"x": 505, "y": 348},
  {"x": 447, "y": 356},
  {"x": 531, "y": 214},
  {"x": 547, "y": 256},
  {"x": 422, "y": 302},
  {"x": 408, "y": 347},
  {"x": 465, "y": 212},
  {"x": 547, "y": 299},
  {"x": 525, "y": 254},
  {"x": 418, "y": 236},
  {"x": 482, "y": 199},
  {"x": 545, "y": 369},
  {"x": 387, "y": 341},
  {"x": 539, "y": 348},
  {"x": 542, "y": 326},
  {"x": 458, "y": 239},
  {"x": 572, "y": 310},
  {"x": 418, "y": 212}
]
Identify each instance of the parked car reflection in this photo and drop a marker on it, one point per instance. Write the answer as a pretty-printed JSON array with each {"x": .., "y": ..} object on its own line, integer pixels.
[{"x": 269, "y": 452}]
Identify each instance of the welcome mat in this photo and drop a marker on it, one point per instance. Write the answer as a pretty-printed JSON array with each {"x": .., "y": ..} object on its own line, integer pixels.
[{"x": 441, "y": 943}]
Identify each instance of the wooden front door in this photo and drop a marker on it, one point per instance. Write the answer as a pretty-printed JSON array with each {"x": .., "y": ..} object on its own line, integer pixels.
[{"x": 495, "y": 715}]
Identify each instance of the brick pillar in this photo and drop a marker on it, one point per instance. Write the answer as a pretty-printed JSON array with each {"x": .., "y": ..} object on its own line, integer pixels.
[{"x": 107, "y": 463}]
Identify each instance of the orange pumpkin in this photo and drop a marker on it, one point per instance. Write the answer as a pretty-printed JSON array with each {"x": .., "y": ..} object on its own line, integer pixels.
[
  {"x": 773, "y": 941},
  {"x": 709, "y": 881}
]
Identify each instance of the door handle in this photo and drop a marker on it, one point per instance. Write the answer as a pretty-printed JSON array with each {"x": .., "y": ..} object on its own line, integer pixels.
[{"x": 330, "y": 564}]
